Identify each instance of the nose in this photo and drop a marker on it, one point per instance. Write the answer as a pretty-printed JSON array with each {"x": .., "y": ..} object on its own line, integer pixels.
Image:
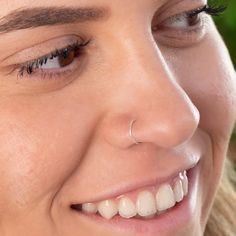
[{"x": 149, "y": 94}]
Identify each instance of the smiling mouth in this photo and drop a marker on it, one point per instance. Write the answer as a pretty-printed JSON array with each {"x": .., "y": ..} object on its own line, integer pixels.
[{"x": 146, "y": 203}]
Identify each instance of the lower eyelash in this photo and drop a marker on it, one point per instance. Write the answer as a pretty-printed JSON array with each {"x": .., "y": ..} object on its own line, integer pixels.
[{"x": 53, "y": 75}]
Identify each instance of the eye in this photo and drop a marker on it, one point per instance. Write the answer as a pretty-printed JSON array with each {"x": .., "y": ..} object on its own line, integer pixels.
[
  {"x": 65, "y": 58},
  {"x": 183, "y": 21},
  {"x": 192, "y": 18},
  {"x": 186, "y": 28},
  {"x": 53, "y": 63}
]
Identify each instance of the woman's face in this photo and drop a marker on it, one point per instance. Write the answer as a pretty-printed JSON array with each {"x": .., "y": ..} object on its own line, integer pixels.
[{"x": 73, "y": 77}]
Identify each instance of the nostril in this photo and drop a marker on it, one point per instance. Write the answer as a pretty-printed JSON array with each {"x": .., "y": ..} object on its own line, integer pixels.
[{"x": 76, "y": 207}]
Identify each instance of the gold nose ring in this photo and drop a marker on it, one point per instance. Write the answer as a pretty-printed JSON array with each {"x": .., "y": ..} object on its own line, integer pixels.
[{"x": 135, "y": 141}]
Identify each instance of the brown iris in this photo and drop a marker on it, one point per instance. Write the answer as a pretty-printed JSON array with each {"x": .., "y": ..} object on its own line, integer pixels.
[
  {"x": 193, "y": 19},
  {"x": 67, "y": 56}
]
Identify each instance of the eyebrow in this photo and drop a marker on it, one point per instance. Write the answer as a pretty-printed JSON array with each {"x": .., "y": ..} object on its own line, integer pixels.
[{"x": 40, "y": 16}]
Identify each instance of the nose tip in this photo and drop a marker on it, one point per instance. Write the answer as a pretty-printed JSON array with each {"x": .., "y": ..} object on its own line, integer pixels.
[
  {"x": 163, "y": 129},
  {"x": 168, "y": 131}
]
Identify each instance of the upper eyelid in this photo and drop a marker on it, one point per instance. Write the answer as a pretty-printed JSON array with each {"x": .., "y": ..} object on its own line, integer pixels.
[{"x": 41, "y": 50}]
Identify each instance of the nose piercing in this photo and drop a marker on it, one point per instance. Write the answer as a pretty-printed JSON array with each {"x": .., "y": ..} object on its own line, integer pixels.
[{"x": 131, "y": 132}]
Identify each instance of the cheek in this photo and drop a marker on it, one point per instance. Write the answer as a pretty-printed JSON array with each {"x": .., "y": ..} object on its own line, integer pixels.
[
  {"x": 215, "y": 93},
  {"x": 36, "y": 141},
  {"x": 208, "y": 77},
  {"x": 17, "y": 155}
]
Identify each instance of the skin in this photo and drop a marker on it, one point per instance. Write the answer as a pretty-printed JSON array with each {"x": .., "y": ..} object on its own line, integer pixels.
[{"x": 68, "y": 141}]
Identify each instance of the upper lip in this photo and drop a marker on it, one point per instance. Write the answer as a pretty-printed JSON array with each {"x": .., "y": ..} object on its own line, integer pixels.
[{"x": 147, "y": 181}]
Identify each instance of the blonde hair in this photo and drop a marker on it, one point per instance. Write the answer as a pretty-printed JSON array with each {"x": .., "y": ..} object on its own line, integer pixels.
[{"x": 222, "y": 219}]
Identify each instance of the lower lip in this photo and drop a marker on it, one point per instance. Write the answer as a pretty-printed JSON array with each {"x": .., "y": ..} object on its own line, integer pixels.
[{"x": 177, "y": 217}]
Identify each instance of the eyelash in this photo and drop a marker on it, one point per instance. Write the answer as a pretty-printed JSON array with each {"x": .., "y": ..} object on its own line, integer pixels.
[
  {"x": 212, "y": 10},
  {"x": 30, "y": 67},
  {"x": 192, "y": 16}
]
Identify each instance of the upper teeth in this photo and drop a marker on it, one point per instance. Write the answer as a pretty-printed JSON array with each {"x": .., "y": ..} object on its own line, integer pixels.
[
  {"x": 147, "y": 203},
  {"x": 127, "y": 208}
]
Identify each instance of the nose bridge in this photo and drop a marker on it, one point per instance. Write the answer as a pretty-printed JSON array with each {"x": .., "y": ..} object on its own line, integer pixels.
[
  {"x": 143, "y": 63},
  {"x": 164, "y": 113},
  {"x": 144, "y": 58},
  {"x": 150, "y": 77}
]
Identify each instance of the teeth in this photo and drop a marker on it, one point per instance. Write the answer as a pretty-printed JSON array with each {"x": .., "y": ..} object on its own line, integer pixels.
[
  {"x": 184, "y": 180},
  {"x": 165, "y": 198},
  {"x": 107, "y": 209},
  {"x": 90, "y": 208},
  {"x": 146, "y": 205},
  {"x": 178, "y": 191},
  {"x": 126, "y": 208}
]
